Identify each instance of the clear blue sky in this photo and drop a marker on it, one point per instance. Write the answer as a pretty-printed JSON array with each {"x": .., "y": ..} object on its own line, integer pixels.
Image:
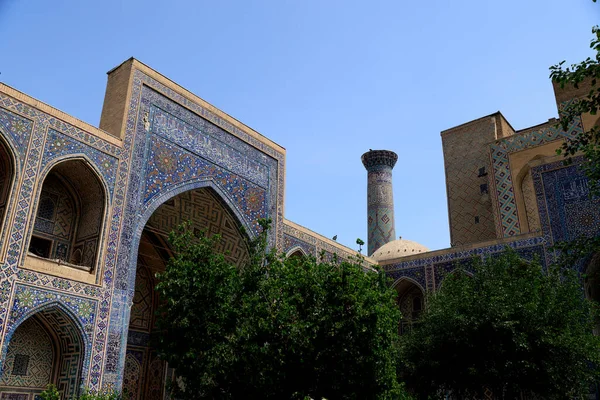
[{"x": 326, "y": 79}]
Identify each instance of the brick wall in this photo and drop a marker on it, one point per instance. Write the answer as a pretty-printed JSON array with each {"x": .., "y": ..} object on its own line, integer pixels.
[
  {"x": 468, "y": 175},
  {"x": 115, "y": 99}
]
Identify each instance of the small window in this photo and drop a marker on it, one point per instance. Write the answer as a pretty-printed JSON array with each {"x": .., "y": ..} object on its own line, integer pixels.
[
  {"x": 483, "y": 188},
  {"x": 40, "y": 247},
  {"x": 46, "y": 208},
  {"x": 482, "y": 172},
  {"x": 477, "y": 219},
  {"x": 21, "y": 365}
]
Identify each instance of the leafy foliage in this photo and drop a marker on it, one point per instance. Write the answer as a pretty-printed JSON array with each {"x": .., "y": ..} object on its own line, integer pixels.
[
  {"x": 52, "y": 393},
  {"x": 277, "y": 327},
  {"x": 588, "y": 143},
  {"x": 511, "y": 328},
  {"x": 586, "y": 72}
]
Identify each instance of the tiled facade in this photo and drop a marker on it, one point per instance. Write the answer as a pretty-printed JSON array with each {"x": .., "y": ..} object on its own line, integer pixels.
[
  {"x": 532, "y": 198},
  {"x": 164, "y": 155}
]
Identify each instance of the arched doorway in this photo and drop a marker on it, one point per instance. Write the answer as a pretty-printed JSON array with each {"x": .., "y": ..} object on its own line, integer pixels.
[
  {"x": 145, "y": 375},
  {"x": 47, "y": 347},
  {"x": 411, "y": 301}
]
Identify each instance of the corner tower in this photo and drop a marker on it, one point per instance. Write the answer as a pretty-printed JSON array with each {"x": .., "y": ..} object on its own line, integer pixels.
[{"x": 380, "y": 197}]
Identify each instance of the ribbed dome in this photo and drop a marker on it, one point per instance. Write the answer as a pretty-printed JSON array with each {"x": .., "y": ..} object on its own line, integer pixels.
[{"x": 398, "y": 248}]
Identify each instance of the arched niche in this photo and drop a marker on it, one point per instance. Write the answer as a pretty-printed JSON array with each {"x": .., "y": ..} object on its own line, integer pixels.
[
  {"x": 296, "y": 252},
  {"x": 7, "y": 178},
  {"x": 69, "y": 217},
  {"x": 526, "y": 198},
  {"x": 47, "y": 347},
  {"x": 410, "y": 300},
  {"x": 455, "y": 273},
  {"x": 144, "y": 373}
]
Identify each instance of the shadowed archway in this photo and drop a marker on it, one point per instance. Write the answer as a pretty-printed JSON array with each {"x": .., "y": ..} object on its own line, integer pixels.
[
  {"x": 48, "y": 347},
  {"x": 410, "y": 300},
  {"x": 145, "y": 374}
]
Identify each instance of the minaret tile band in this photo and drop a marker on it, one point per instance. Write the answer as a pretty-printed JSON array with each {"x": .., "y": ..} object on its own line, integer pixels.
[{"x": 380, "y": 197}]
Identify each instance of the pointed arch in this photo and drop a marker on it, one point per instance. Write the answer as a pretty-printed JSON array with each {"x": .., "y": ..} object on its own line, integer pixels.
[
  {"x": 296, "y": 251},
  {"x": 9, "y": 170},
  {"x": 70, "y": 213},
  {"x": 526, "y": 199},
  {"x": 66, "y": 355},
  {"x": 204, "y": 206},
  {"x": 453, "y": 274},
  {"x": 178, "y": 189},
  {"x": 410, "y": 300}
]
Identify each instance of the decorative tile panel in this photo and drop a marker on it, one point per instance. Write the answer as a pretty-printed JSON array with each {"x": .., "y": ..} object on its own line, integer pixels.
[{"x": 500, "y": 150}]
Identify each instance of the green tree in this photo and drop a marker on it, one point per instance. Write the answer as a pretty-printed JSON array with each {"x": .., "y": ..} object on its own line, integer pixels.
[
  {"x": 276, "y": 328},
  {"x": 511, "y": 328},
  {"x": 587, "y": 144}
]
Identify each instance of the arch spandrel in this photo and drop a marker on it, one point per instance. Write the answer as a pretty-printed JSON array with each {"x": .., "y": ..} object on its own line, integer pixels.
[
  {"x": 16, "y": 130},
  {"x": 60, "y": 147},
  {"x": 73, "y": 232},
  {"x": 169, "y": 166},
  {"x": 29, "y": 301}
]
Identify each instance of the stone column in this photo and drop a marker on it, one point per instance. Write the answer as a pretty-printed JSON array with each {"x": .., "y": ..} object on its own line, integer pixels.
[{"x": 380, "y": 197}]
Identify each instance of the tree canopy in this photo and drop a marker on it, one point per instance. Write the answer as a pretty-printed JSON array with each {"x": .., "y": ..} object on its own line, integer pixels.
[
  {"x": 585, "y": 74},
  {"x": 277, "y": 327},
  {"x": 511, "y": 328}
]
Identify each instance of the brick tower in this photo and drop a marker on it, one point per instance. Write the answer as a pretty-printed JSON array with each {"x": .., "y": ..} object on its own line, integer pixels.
[{"x": 380, "y": 197}]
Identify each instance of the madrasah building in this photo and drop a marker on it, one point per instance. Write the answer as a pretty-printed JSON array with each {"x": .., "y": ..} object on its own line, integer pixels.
[{"x": 85, "y": 211}]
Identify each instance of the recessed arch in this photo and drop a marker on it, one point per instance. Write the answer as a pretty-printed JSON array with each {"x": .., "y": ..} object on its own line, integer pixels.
[
  {"x": 175, "y": 190},
  {"x": 296, "y": 251},
  {"x": 207, "y": 211},
  {"x": 526, "y": 199},
  {"x": 9, "y": 168},
  {"x": 70, "y": 213},
  {"x": 410, "y": 300},
  {"x": 47, "y": 346},
  {"x": 398, "y": 283},
  {"x": 454, "y": 273}
]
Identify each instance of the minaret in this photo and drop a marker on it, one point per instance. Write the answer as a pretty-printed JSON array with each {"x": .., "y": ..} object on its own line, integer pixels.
[{"x": 380, "y": 197}]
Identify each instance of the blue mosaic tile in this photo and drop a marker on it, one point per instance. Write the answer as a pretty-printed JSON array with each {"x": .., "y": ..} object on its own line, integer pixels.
[{"x": 59, "y": 145}]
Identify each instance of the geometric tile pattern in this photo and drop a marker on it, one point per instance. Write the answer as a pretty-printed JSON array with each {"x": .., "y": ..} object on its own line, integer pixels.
[
  {"x": 169, "y": 165},
  {"x": 445, "y": 262},
  {"x": 567, "y": 210},
  {"x": 18, "y": 129},
  {"x": 14, "y": 396},
  {"x": 247, "y": 174},
  {"x": 71, "y": 317},
  {"x": 312, "y": 243},
  {"x": 30, "y": 341},
  {"x": 58, "y": 145},
  {"x": 203, "y": 208},
  {"x": 500, "y": 151},
  {"x": 147, "y": 97},
  {"x": 132, "y": 378},
  {"x": 380, "y": 198},
  {"x": 410, "y": 302},
  {"x": 291, "y": 243},
  {"x": 207, "y": 151}
]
